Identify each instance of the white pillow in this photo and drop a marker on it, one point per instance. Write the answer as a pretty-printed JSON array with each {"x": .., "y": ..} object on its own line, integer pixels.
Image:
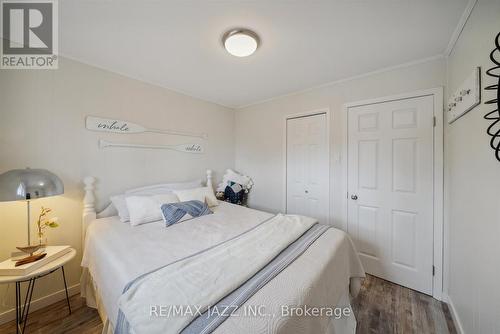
[
  {"x": 204, "y": 194},
  {"x": 165, "y": 188},
  {"x": 146, "y": 209},
  {"x": 121, "y": 206}
]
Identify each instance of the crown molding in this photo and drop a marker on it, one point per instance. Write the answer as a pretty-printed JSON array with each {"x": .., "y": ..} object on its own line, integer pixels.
[
  {"x": 355, "y": 77},
  {"x": 460, "y": 27}
]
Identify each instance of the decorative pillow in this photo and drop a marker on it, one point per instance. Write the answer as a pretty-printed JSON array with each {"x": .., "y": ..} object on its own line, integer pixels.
[
  {"x": 178, "y": 212},
  {"x": 234, "y": 193},
  {"x": 120, "y": 203},
  {"x": 146, "y": 209},
  {"x": 205, "y": 195}
]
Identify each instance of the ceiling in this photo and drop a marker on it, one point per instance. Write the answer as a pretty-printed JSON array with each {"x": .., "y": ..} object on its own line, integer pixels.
[{"x": 177, "y": 44}]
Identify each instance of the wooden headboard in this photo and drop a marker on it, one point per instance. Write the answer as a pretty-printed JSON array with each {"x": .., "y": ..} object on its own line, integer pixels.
[{"x": 89, "y": 208}]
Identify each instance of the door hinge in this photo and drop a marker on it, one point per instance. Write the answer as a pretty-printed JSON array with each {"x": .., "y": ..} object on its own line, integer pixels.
[
  {"x": 433, "y": 271},
  {"x": 434, "y": 121}
]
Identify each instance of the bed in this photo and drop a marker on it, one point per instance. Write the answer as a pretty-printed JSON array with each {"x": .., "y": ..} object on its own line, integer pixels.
[{"x": 325, "y": 276}]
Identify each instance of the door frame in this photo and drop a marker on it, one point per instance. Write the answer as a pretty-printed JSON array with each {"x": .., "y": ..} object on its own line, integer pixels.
[
  {"x": 438, "y": 173},
  {"x": 328, "y": 115}
]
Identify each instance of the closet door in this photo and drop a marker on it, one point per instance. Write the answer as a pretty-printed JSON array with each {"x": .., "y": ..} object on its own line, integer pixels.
[{"x": 307, "y": 167}]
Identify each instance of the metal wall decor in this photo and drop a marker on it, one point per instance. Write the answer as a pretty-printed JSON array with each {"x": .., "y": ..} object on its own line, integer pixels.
[{"x": 494, "y": 115}]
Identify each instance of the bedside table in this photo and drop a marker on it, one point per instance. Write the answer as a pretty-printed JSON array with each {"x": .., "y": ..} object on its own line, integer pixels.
[{"x": 22, "y": 310}]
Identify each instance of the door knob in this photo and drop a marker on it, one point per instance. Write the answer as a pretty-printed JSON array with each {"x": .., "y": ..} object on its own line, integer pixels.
[
  {"x": 307, "y": 191},
  {"x": 354, "y": 197}
]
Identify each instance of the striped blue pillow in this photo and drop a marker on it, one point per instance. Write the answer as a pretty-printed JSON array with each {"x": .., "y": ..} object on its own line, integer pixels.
[{"x": 178, "y": 212}]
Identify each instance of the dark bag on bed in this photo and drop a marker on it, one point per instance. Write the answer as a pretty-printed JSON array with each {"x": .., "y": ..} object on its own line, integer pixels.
[{"x": 234, "y": 193}]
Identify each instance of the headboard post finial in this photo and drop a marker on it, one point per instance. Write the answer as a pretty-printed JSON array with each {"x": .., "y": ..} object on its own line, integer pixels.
[
  {"x": 89, "y": 213},
  {"x": 89, "y": 198},
  {"x": 209, "y": 178}
]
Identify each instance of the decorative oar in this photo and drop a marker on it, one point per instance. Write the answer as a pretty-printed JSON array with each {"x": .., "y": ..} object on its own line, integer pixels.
[
  {"x": 186, "y": 148},
  {"x": 120, "y": 126}
]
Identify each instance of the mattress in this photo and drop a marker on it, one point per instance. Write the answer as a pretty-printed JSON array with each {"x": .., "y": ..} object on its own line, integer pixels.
[{"x": 116, "y": 253}]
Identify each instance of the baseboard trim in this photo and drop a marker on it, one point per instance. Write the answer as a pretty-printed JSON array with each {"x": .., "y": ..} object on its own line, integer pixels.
[
  {"x": 41, "y": 302},
  {"x": 454, "y": 314}
]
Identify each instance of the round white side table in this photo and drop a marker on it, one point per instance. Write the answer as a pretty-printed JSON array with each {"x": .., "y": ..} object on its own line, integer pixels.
[{"x": 23, "y": 309}]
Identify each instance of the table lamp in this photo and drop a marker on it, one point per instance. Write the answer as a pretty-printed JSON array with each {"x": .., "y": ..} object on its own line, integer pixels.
[{"x": 29, "y": 184}]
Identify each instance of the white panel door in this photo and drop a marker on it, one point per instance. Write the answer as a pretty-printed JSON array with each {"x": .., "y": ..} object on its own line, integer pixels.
[
  {"x": 307, "y": 167},
  {"x": 390, "y": 184}
]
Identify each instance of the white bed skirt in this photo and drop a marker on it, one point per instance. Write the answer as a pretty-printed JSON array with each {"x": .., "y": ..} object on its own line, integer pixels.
[
  {"x": 89, "y": 291},
  {"x": 345, "y": 325}
]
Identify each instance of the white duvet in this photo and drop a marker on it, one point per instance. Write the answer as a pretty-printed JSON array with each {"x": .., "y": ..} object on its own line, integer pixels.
[
  {"x": 117, "y": 253},
  {"x": 203, "y": 280}
]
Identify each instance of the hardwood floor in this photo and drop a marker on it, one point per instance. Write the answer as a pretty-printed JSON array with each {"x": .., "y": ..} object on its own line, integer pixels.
[
  {"x": 55, "y": 319},
  {"x": 381, "y": 307},
  {"x": 385, "y": 307}
]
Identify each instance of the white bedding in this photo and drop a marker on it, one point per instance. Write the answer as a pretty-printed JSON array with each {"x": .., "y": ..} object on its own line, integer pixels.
[
  {"x": 116, "y": 253},
  {"x": 205, "y": 279}
]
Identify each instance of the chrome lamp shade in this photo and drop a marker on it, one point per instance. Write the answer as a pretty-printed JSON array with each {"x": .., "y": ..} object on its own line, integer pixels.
[{"x": 29, "y": 184}]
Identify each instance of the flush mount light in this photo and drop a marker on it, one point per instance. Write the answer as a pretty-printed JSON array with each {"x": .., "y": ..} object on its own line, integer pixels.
[{"x": 240, "y": 42}]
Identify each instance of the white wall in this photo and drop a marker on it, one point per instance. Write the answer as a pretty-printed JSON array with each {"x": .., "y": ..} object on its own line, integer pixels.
[
  {"x": 473, "y": 179},
  {"x": 472, "y": 174},
  {"x": 42, "y": 125},
  {"x": 260, "y": 129}
]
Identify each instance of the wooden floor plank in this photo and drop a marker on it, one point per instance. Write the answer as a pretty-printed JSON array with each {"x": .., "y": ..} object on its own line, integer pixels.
[
  {"x": 54, "y": 319},
  {"x": 399, "y": 310},
  {"x": 381, "y": 308}
]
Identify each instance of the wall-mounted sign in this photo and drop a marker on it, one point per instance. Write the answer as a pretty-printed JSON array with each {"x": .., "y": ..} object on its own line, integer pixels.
[
  {"x": 119, "y": 126},
  {"x": 186, "y": 148},
  {"x": 466, "y": 97}
]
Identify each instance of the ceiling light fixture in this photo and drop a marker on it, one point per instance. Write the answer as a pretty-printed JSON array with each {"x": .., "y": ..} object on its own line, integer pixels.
[{"x": 240, "y": 42}]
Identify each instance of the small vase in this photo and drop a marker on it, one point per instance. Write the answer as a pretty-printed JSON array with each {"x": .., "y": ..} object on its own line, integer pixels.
[{"x": 42, "y": 240}]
